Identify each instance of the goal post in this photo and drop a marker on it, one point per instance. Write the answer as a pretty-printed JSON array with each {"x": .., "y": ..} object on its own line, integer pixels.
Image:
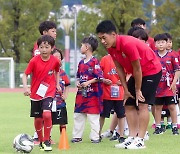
[{"x": 7, "y": 76}]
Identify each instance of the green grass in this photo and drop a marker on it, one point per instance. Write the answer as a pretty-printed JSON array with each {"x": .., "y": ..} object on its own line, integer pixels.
[{"x": 14, "y": 119}]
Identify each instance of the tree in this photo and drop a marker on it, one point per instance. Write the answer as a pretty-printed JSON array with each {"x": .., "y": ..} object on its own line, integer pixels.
[
  {"x": 167, "y": 16},
  {"x": 19, "y": 25},
  {"x": 121, "y": 12}
]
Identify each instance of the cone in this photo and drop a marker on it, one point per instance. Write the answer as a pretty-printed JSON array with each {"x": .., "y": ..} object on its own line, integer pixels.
[{"x": 63, "y": 141}]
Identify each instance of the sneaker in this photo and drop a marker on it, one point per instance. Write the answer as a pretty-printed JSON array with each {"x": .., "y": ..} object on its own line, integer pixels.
[
  {"x": 96, "y": 141},
  {"x": 127, "y": 142},
  {"x": 169, "y": 126},
  {"x": 36, "y": 141},
  {"x": 107, "y": 134},
  {"x": 146, "y": 136},
  {"x": 136, "y": 144},
  {"x": 115, "y": 137},
  {"x": 47, "y": 145},
  {"x": 41, "y": 146},
  {"x": 153, "y": 126},
  {"x": 121, "y": 139},
  {"x": 175, "y": 131},
  {"x": 163, "y": 128},
  {"x": 76, "y": 140},
  {"x": 158, "y": 131}
]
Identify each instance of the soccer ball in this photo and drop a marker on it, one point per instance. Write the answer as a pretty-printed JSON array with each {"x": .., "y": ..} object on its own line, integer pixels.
[{"x": 23, "y": 143}]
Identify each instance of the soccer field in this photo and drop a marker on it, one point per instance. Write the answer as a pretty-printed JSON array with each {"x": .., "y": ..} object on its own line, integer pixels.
[{"x": 14, "y": 119}]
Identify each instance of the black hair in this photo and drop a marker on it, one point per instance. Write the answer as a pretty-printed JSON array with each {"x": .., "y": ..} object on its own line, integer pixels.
[
  {"x": 137, "y": 21},
  {"x": 56, "y": 50},
  {"x": 105, "y": 26},
  {"x": 93, "y": 42},
  {"x": 46, "y": 38},
  {"x": 46, "y": 25},
  {"x": 159, "y": 37},
  {"x": 140, "y": 33},
  {"x": 132, "y": 29},
  {"x": 168, "y": 36}
]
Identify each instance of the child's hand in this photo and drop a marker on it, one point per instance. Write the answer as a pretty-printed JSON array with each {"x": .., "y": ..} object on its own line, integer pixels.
[
  {"x": 64, "y": 97},
  {"x": 119, "y": 83},
  {"x": 107, "y": 81},
  {"x": 79, "y": 86},
  {"x": 85, "y": 84},
  {"x": 59, "y": 89},
  {"x": 27, "y": 92},
  {"x": 173, "y": 88}
]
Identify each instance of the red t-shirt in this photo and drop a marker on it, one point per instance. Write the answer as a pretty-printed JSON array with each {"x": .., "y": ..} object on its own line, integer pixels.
[
  {"x": 129, "y": 49},
  {"x": 42, "y": 72},
  {"x": 109, "y": 72},
  {"x": 151, "y": 43}
]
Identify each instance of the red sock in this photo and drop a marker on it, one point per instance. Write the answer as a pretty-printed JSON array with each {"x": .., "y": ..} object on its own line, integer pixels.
[
  {"x": 47, "y": 124},
  {"x": 38, "y": 124}
]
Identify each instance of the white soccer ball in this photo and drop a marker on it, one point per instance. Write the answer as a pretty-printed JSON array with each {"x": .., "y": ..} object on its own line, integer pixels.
[{"x": 23, "y": 143}]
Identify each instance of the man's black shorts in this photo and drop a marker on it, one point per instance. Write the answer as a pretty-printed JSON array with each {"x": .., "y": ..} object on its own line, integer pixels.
[
  {"x": 148, "y": 88},
  {"x": 37, "y": 107},
  {"x": 117, "y": 105},
  {"x": 60, "y": 117}
]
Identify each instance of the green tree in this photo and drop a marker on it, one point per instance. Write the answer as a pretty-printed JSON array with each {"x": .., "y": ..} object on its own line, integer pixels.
[
  {"x": 121, "y": 12},
  {"x": 168, "y": 20},
  {"x": 19, "y": 25}
]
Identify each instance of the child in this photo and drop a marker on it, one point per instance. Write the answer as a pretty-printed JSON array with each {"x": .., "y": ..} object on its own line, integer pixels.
[
  {"x": 134, "y": 56},
  {"x": 113, "y": 93},
  {"x": 59, "y": 115},
  {"x": 89, "y": 95},
  {"x": 44, "y": 69},
  {"x": 167, "y": 87},
  {"x": 45, "y": 28}
]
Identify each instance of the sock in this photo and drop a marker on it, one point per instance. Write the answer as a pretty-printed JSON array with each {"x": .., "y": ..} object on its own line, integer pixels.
[
  {"x": 38, "y": 124},
  {"x": 162, "y": 122},
  {"x": 47, "y": 124},
  {"x": 174, "y": 125},
  {"x": 158, "y": 125}
]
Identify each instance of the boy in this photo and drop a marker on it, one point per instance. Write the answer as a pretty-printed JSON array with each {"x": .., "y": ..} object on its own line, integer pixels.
[
  {"x": 43, "y": 68},
  {"x": 89, "y": 95},
  {"x": 139, "y": 60},
  {"x": 59, "y": 115},
  {"x": 113, "y": 94},
  {"x": 45, "y": 28},
  {"x": 167, "y": 86}
]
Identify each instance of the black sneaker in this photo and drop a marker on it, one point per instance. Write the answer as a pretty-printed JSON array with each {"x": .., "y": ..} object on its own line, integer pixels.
[
  {"x": 41, "y": 146},
  {"x": 121, "y": 139},
  {"x": 76, "y": 140},
  {"x": 47, "y": 146},
  {"x": 158, "y": 131},
  {"x": 115, "y": 137},
  {"x": 163, "y": 128},
  {"x": 175, "y": 131}
]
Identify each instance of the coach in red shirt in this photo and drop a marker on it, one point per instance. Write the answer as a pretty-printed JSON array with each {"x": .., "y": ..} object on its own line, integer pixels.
[{"x": 138, "y": 59}]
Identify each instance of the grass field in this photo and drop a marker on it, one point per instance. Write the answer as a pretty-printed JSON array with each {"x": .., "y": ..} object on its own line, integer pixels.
[{"x": 14, "y": 119}]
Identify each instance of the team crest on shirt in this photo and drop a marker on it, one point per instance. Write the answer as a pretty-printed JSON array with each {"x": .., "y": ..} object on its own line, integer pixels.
[
  {"x": 90, "y": 69},
  {"x": 123, "y": 55},
  {"x": 50, "y": 72}
]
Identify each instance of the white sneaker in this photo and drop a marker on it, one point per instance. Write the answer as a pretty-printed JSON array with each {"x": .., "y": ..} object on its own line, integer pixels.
[
  {"x": 136, "y": 144},
  {"x": 146, "y": 136},
  {"x": 106, "y": 134},
  {"x": 127, "y": 142}
]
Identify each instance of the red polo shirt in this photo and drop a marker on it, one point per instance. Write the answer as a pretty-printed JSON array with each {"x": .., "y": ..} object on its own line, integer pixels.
[{"x": 129, "y": 49}]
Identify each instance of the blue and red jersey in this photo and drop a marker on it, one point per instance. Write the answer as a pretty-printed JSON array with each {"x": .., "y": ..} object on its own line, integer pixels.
[
  {"x": 92, "y": 104},
  {"x": 64, "y": 82},
  {"x": 170, "y": 64}
]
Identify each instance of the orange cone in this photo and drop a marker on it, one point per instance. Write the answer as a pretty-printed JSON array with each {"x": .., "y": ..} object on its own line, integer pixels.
[{"x": 63, "y": 141}]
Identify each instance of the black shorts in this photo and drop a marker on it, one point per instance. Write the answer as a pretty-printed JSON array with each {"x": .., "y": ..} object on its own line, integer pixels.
[
  {"x": 60, "y": 117},
  {"x": 148, "y": 88},
  {"x": 37, "y": 107},
  {"x": 117, "y": 105},
  {"x": 165, "y": 100},
  {"x": 165, "y": 113}
]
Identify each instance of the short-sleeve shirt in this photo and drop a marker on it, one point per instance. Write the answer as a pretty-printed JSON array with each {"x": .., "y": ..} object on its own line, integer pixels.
[
  {"x": 170, "y": 64},
  {"x": 129, "y": 49},
  {"x": 64, "y": 82},
  {"x": 92, "y": 104},
  {"x": 109, "y": 72},
  {"x": 42, "y": 72}
]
